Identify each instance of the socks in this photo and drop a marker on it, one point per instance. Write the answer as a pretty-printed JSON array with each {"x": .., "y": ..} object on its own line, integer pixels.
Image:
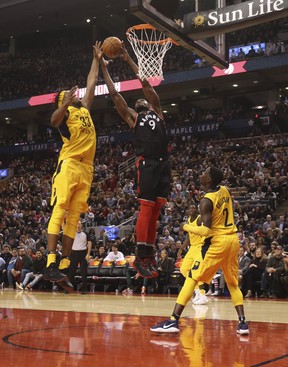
[
  {"x": 174, "y": 317},
  {"x": 51, "y": 258}
]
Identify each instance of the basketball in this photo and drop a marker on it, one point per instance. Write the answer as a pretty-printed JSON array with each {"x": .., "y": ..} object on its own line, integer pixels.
[{"x": 112, "y": 47}]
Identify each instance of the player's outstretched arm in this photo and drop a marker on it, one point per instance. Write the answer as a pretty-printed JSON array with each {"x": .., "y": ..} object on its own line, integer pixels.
[
  {"x": 149, "y": 92},
  {"x": 127, "y": 113},
  {"x": 204, "y": 229},
  {"x": 92, "y": 78}
]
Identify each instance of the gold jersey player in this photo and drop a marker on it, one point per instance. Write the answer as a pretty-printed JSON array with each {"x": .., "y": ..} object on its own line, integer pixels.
[
  {"x": 152, "y": 166},
  {"x": 72, "y": 179},
  {"x": 195, "y": 242},
  {"x": 220, "y": 250}
]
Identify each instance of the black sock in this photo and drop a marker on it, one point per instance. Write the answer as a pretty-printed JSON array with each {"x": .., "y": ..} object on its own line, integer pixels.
[
  {"x": 141, "y": 251},
  {"x": 175, "y": 316}
]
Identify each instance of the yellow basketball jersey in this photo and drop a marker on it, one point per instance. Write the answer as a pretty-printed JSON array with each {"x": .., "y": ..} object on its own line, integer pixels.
[
  {"x": 223, "y": 213},
  {"x": 78, "y": 135},
  {"x": 195, "y": 239}
]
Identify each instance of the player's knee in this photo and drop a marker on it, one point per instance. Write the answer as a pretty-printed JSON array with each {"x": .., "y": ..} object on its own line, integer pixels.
[
  {"x": 72, "y": 220},
  {"x": 56, "y": 220}
]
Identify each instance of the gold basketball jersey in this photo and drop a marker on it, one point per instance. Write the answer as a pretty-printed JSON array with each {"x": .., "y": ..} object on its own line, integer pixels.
[
  {"x": 78, "y": 135},
  {"x": 223, "y": 213},
  {"x": 195, "y": 239}
]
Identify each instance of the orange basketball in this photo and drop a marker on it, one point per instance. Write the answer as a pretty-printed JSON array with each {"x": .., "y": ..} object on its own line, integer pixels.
[{"x": 112, "y": 47}]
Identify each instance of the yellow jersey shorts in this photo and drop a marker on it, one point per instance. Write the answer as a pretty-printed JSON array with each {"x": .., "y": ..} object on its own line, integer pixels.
[
  {"x": 193, "y": 253},
  {"x": 71, "y": 184},
  {"x": 217, "y": 252}
]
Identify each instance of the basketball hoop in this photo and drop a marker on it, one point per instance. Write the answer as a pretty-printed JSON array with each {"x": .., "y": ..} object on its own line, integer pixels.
[{"x": 150, "y": 46}]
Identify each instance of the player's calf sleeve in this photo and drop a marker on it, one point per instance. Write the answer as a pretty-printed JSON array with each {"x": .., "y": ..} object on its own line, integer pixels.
[
  {"x": 56, "y": 220},
  {"x": 186, "y": 292},
  {"x": 236, "y": 295},
  {"x": 72, "y": 221},
  {"x": 152, "y": 232},
  {"x": 142, "y": 225}
]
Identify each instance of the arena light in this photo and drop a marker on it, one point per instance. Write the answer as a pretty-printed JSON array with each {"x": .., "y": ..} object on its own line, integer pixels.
[
  {"x": 235, "y": 85},
  {"x": 196, "y": 91}
]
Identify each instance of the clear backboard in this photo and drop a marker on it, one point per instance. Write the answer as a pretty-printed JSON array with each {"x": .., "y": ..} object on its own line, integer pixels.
[{"x": 169, "y": 16}]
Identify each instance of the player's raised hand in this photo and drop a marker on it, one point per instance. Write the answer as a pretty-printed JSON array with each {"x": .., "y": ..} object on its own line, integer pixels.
[
  {"x": 69, "y": 95},
  {"x": 97, "y": 51}
]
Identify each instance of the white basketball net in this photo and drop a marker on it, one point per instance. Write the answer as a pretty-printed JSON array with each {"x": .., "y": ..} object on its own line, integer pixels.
[{"x": 150, "y": 46}]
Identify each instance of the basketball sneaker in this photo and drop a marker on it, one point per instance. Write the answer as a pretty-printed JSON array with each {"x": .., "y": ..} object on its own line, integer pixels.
[
  {"x": 202, "y": 300},
  {"x": 243, "y": 328},
  {"x": 53, "y": 274},
  {"x": 196, "y": 296},
  {"x": 143, "y": 268},
  {"x": 167, "y": 326}
]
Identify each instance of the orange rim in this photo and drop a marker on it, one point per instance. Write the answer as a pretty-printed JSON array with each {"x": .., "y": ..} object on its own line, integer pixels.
[{"x": 143, "y": 26}]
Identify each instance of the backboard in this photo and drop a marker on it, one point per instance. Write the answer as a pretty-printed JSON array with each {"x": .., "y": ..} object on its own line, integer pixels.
[{"x": 168, "y": 16}]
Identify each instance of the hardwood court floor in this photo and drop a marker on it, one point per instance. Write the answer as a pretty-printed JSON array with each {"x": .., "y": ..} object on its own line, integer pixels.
[{"x": 59, "y": 330}]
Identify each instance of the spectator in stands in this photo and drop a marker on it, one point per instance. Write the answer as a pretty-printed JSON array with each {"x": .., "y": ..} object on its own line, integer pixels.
[
  {"x": 129, "y": 289},
  {"x": 22, "y": 266},
  {"x": 100, "y": 253},
  {"x": 270, "y": 195},
  {"x": 70, "y": 193},
  {"x": 251, "y": 52},
  {"x": 233, "y": 56},
  {"x": 103, "y": 237},
  {"x": 10, "y": 267},
  {"x": 274, "y": 267},
  {"x": 250, "y": 249},
  {"x": 2, "y": 273},
  {"x": 241, "y": 54},
  {"x": 258, "y": 195},
  {"x": 165, "y": 267},
  {"x": 283, "y": 239},
  {"x": 167, "y": 237},
  {"x": 110, "y": 217},
  {"x": 254, "y": 273},
  {"x": 36, "y": 275},
  {"x": 89, "y": 217},
  {"x": 267, "y": 223},
  {"x": 114, "y": 255},
  {"x": 6, "y": 253},
  {"x": 281, "y": 223},
  {"x": 282, "y": 285},
  {"x": 272, "y": 251},
  {"x": 244, "y": 262}
]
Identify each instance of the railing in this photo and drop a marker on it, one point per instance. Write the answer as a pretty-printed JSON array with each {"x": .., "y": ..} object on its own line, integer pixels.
[{"x": 123, "y": 167}]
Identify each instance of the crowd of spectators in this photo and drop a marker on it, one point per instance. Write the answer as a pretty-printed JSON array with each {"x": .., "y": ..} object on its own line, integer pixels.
[
  {"x": 255, "y": 169},
  {"x": 248, "y": 164},
  {"x": 45, "y": 66}
]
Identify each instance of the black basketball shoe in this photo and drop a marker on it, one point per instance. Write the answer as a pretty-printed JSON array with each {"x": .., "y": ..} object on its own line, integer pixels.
[{"x": 53, "y": 274}]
